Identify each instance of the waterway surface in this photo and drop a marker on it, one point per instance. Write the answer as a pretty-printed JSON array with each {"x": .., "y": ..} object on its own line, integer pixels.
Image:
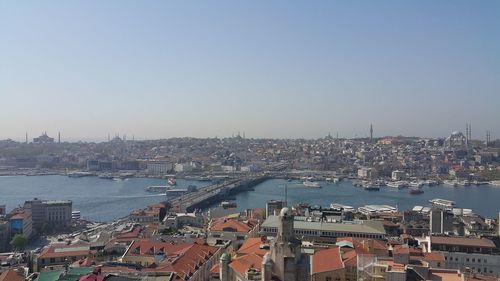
[{"x": 105, "y": 200}]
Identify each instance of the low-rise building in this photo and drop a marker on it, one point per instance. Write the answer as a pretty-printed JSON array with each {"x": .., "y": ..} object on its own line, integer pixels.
[
  {"x": 234, "y": 230},
  {"x": 189, "y": 261},
  {"x": 62, "y": 254},
  {"x": 178, "y": 220},
  {"x": 328, "y": 231}
]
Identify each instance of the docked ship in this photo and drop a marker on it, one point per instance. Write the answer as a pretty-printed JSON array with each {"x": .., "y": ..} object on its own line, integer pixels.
[
  {"x": 106, "y": 176},
  {"x": 432, "y": 183},
  {"x": 453, "y": 183},
  {"x": 333, "y": 180},
  {"x": 176, "y": 192},
  {"x": 171, "y": 181},
  {"x": 312, "y": 184},
  {"x": 156, "y": 188},
  {"x": 417, "y": 184},
  {"x": 76, "y": 215},
  {"x": 415, "y": 191},
  {"x": 397, "y": 184}
]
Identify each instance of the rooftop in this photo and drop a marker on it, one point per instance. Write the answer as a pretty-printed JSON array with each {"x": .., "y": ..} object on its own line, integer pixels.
[
  {"x": 371, "y": 227},
  {"x": 461, "y": 241},
  {"x": 327, "y": 260}
]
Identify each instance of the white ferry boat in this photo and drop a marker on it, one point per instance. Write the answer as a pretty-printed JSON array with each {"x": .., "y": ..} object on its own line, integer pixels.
[
  {"x": 397, "y": 184},
  {"x": 171, "y": 181},
  {"x": 311, "y": 184},
  {"x": 417, "y": 184}
]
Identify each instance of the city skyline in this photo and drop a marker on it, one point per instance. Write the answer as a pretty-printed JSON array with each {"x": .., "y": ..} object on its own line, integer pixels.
[{"x": 294, "y": 70}]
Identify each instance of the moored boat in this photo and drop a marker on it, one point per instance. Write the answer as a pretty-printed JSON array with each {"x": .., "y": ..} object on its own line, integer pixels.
[
  {"x": 312, "y": 184},
  {"x": 171, "y": 181},
  {"x": 415, "y": 191}
]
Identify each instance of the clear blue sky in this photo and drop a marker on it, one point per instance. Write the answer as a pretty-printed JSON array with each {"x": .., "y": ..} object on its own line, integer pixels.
[{"x": 270, "y": 68}]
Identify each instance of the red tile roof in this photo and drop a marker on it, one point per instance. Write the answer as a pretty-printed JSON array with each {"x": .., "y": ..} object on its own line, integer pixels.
[
  {"x": 461, "y": 241},
  {"x": 434, "y": 256},
  {"x": 183, "y": 258},
  {"x": 10, "y": 275},
  {"x": 252, "y": 245},
  {"x": 359, "y": 242},
  {"x": 327, "y": 260},
  {"x": 228, "y": 224},
  {"x": 244, "y": 263},
  {"x": 21, "y": 215}
]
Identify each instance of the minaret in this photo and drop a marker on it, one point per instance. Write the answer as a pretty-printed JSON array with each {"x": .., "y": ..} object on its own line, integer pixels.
[
  {"x": 371, "y": 133},
  {"x": 59, "y": 137},
  {"x": 224, "y": 261},
  {"x": 26, "y": 137},
  {"x": 109, "y": 137},
  {"x": 267, "y": 267}
]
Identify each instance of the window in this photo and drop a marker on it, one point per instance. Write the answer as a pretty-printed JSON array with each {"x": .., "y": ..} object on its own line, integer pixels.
[
  {"x": 328, "y": 278},
  {"x": 473, "y": 260},
  {"x": 439, "y": 264},
  {"x": 467, "y": 259}
]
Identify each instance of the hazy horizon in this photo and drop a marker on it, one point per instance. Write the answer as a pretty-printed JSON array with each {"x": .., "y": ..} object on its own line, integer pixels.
[{"x": 281, "y": 69}]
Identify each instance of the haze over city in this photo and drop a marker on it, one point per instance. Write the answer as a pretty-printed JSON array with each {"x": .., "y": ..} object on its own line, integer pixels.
[{"x": 270, "y": 69}]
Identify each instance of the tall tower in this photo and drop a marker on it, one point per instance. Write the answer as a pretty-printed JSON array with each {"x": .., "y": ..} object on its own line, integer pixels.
[
  {"x": 26, "y": 137},
  {"x": 224, "y": 261},
  {"x": 371, "y": 133},
  {"x": 285, "y": 249},
  {"x": 59, "y": 137}
]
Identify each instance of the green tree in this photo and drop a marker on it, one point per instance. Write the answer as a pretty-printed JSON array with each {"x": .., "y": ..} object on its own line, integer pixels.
[{"x": 18, "y": 242}]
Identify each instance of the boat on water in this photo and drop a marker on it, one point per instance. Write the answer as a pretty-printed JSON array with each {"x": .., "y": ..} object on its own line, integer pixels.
[
  {"x": 415, "y": 191},
  {"x": 156, "y": 188},
  {"x": 312, "y": 184},
  {"x": 453, "y": 183},
  {"x": 397, "y": 184},
  {"x": 228, "y": 204},
  {"x": 332, "y": 180},
  {"x": 495, "y": 183},
  {"x": 431, "y": 183},
  {"x": 76, "y": 215},
  {"x": 370, "y": 186},
  {"x": 171, "y": 181},
  {"x": 417, "y": 184},
  {"x": 106, "y": 176},
  {"x": 80, "y": 174}
]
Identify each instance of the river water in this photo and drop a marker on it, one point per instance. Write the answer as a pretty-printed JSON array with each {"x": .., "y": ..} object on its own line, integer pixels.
[{"x": 105, "y": 200}]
